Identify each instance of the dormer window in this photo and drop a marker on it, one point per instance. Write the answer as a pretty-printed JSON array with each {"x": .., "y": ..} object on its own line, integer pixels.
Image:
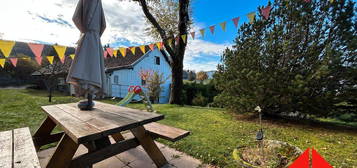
[{"x": 157, "y": 60}]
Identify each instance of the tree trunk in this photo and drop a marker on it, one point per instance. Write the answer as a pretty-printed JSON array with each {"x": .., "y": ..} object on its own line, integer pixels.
[{"x": 176, "y": 83}]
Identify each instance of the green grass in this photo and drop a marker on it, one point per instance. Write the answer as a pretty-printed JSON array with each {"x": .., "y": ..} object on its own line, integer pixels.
[{"x": 214, "y": 132}]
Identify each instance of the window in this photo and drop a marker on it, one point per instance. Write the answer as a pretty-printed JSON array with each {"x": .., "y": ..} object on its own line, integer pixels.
[
  {"x": 143, "y": 82},
  {"x": 157, "y": 60},
  {"x": 116, "y": 79}
]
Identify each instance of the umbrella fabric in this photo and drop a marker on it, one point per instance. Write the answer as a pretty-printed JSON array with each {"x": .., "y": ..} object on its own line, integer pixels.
[{"x": 87, "y": 72}]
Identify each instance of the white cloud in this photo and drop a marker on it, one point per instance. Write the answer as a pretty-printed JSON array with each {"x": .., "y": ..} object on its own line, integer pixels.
[{"x": 51, "y": 22}]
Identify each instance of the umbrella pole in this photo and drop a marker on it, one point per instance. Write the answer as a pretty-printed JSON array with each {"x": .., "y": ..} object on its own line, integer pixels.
[{"x": 86, "y": 104}]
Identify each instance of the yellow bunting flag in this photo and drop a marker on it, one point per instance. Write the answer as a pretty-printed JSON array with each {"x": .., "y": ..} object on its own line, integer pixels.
[
  {"x": 223, "y": 26},
  {"x": 251, "y": 17},
  {"x": 159, "y": 45},
  {"x": 152, "y": 47},
  {"x": 50, "y": 59},
  {"x": 184, "y": 36},
  {"x": 202, "y": 32},
  {"x": 115, "y": 53},
  {"x": 193, "y": 35},
  {"x": 170, "y": 42},
  {"x": 60, "y": 51},
  {"x": 2, "y": 63},
  {"x": 13, "y": 61},
  {"x": 72, "y": 56},
  {"x": 331, "y": 1},
  {"x": 6, "y": 47},
  {"x": 132, "y": 49},
  {"x": 142, "y": 48},
  {"x": 122, "y": 51}
]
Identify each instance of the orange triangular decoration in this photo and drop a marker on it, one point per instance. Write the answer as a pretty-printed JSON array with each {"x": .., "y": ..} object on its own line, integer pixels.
[
  {"x": 266, "y": 12},
  {"x": 105, "y": 53},
  {"x": 302, "y": 161},
  {"x": 152, "y": 47},
  {"x": 39, "y": 60},
  {"x": 235, "y": 21},
  {"x": 142, "y": 48},
  {"x": 223, "y": 26},
  {"x": 36, "y": 49},
  {"x": 318, "y": 161},
  {"x": 211, "y": 28},
  {"x": 13, "y": 61},
  {"x": 122, "y": 51},
  {"x": 110, "y": 51}
]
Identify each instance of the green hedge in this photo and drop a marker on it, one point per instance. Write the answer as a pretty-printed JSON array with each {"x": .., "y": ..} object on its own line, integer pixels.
[{"x": 198, "y": 94}]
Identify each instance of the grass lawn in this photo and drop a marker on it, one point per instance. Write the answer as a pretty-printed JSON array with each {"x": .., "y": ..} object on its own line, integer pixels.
[{"x": 214, "y": 132}]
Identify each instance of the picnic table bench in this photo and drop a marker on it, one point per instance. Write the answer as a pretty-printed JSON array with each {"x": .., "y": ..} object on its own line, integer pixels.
[{"x": 94, "y": 128}]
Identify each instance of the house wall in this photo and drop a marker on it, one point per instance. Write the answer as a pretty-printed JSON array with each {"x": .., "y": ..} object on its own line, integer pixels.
[{"x": 127, "y": 77}]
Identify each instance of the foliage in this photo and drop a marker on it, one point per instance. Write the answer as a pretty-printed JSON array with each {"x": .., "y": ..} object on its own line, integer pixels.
[
  {"x": 302, "y": 59},
  {"x": 154, "y": 85},
  {"x": 201, "y": 76},
  {"x": 192, "y": 90}
]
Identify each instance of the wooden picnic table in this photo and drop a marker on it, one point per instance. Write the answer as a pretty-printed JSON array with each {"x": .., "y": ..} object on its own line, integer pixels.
[{"x": 93, "y": 129}]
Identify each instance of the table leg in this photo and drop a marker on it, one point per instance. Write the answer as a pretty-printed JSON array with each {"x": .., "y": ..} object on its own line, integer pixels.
[
  {"x": 63, "y": 154},
  {"x": 118, "y": 137},
  {"x": 43, "y": 131},
  {"x": 149, "y": 146},
  {"x": 97, "y": 145}
]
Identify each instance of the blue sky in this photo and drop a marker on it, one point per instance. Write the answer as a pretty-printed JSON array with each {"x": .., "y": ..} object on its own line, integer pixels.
[{"x": 51, "y": 22}]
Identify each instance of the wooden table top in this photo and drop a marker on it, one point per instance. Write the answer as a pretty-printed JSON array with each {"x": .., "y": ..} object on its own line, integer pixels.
[{"x": 103, "y": 120}]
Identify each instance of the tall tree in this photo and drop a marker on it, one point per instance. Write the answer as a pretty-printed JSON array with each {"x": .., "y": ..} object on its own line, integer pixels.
[
  {"x": 302, "y": 59},
  {"x": 170, "y": 19}
]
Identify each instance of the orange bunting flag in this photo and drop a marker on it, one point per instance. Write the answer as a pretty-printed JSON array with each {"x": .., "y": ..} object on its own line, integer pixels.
[
  {"x": 105, "y": 53},
  {"x": 2, "y": 62},
  {"x": 110, "y": 51},
  {"x": 202, "y": 31},
  {"x": 122, "y": 51},
  {"x": 13, "y": 61},
  {"x": 193, "y": 35},
  {"x": 36, "y": 49},
  {"x": 72, "y": 56},
  {"x": 6, "y": 47},
  {"x": 39, "y": 60},
  {"x": 50, "y": 59},
  {"x": 132, "y": 49},
  {"x": 266, "y": 12},
  {"x": 60, "y": 51},
  {"x": 142, "y": 48},
  {"x": 211, "y": 28},
  {"x": 115, "y": 53},
  {"x": 184, "y": 37},
  {"x": 152, "y": 47},
  {"x": 223, "y": 26},
  {"x": 251, "y": 17},
  {"x": 235, "y": 21},
  {"x": 159, "y": 45}
]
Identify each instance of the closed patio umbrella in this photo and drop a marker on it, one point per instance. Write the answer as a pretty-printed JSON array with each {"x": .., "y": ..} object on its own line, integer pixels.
[{"x": 87, "y": 72}]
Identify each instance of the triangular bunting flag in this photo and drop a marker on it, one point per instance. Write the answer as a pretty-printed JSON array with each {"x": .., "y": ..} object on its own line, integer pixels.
[
  {"x": 307, "y": 1},
  {"x": 105, "y": 53},
  {"x": 122, "y": 51},
  {"x": 235, "y": 21},
  {"x": 132, "y": 49},
  {"x": 202, "y": 31},
  {"x": 110, "y": 51},
  {"x": 251, "y": 17},
  {"x": 193, "y": 35},
  {"x": 302, "y": 161},
  {"x": 142, "y": 48},
  {"x": 177, "y": 40},
  {"x": 50, "y": 59},
  {"x": 13, "y": 61},
  {"x": 223, "y": 26},
  {"x": 152, "y": 47},
  {"x": 318, "y": 161},
  {"x": 266, "y": 12},
  {"x": 211, "y": 28},
  {"x": 170, "y": 42},
  {"x": 6, "y": 47},
  {"x": 159, "y": 45},
  {"x": 39, "y": 60},
  {"x": 2, "y": 62},
  {"x": 60, "y": 51},
  {"x": 36, "y": 49},
  {"x": 184, "y": 37},
  {"x": 72, "y": 56},
  {"x": 331, "y": 1},
  {"x": 115, "y": 53}
]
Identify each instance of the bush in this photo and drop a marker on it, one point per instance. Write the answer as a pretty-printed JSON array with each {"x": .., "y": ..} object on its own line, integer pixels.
[{"x": 192, "y": 90}]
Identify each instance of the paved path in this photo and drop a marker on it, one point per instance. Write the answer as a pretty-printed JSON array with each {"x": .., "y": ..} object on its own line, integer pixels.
[{"x": 134, "y": 158}]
